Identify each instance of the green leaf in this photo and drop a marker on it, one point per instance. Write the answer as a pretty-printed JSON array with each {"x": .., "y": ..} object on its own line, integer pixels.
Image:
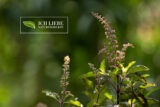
[
  {"x": 76, "y": 103},
  {"x": 134, "y": 78},
  {"x": 51, "y": 94},
  {"x": 30, "y": 24},
  {"x": 114, "y": 72},
  {"x": 130, "y": 65},
  {"x": 125, "y": 69},
  {"x": 146, "y": 86},
  {"x": 151, "y": 91},
  {"x": 126, "y": 82},
  {"x": 139, "y": 78},
  {"x": 138, "y": 68},
  {"x": 133, "y": 101},
  {"x": 93, "y": 97},
  {"x": 102, "y": 96},
  {"x": 88, "y": 82},
  {"x": 108, "y": 96},
  {"x": 141, "y": 99},
  {"x": 102, "y": 66},
  {"x": 122, "y": 67},
  {"x": 145, "y": 75},
  {"x": 68, "y": 94},
  {"x": 87, "y": 75},
  {"x": 87, "y": 93}
]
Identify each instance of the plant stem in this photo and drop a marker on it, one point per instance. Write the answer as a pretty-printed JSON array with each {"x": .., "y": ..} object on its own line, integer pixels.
[
  {"x": 118, "y": 89},
  {"x": 131, "y": 102},
  {"x": 64, "y": 91},
  {"x": 62, "y": 100},
  {"x": 61, "y": 104},
  {"x": 113, "y": 85},
  {"x": 98, "y": 79},
  {"x": 143, "y": 100},
  {"x": 98, "y": 88}
]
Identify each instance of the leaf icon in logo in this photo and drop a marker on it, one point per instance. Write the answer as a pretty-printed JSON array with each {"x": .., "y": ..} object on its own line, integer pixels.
[{"x": 30, "y": 24}]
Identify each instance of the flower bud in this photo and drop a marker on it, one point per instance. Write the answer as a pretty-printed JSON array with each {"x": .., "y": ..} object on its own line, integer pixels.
[{"x": 66, "y": 60}]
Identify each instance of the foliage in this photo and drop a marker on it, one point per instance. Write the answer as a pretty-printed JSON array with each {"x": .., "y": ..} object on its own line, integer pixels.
[
  {"x": 112, "y": 83},
  {"x": 65, "y": 96}
]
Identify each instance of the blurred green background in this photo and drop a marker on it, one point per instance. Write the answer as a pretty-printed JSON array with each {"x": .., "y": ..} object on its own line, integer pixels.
[{"x": 31, "y": 63}]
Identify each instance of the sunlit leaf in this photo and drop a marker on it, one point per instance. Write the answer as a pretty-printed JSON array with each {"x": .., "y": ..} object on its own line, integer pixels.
[
  {"x": 138, "y": 68},
  {"x": 76, "y": 103},
  {"x": 145, "y": 75},
  {"x": 130, "y": 65},
  {"x": 51, "y": 94},
  {"x": 30, "y": 24},
  {"x": 133, "y": 101},
  {"x": 135, "y": 77},
  {"x": 108, "y": 96},
  {"x": 102, "y": 66},
  {"x": 143, "y": 80},
  {"x": 114, "y": 72},
  {"x": 125, "y": 69},
  {"x": 122, "y": 67},
  {"x": 141, "y": 100},
  {"x": 146, "y": 86},
  {"x": 89, "y": 83}
]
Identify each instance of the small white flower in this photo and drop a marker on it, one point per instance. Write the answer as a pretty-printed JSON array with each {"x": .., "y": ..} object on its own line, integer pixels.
[
  {"x": 81, "y": 105},
  {"x": 66, "y": 60},
  {"x": 116, "y": 105},
  {"x": 76, "y": 99}
]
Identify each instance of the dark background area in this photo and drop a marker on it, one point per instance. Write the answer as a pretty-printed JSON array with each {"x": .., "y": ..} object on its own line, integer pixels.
[{"x": 31, "y": 63}]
